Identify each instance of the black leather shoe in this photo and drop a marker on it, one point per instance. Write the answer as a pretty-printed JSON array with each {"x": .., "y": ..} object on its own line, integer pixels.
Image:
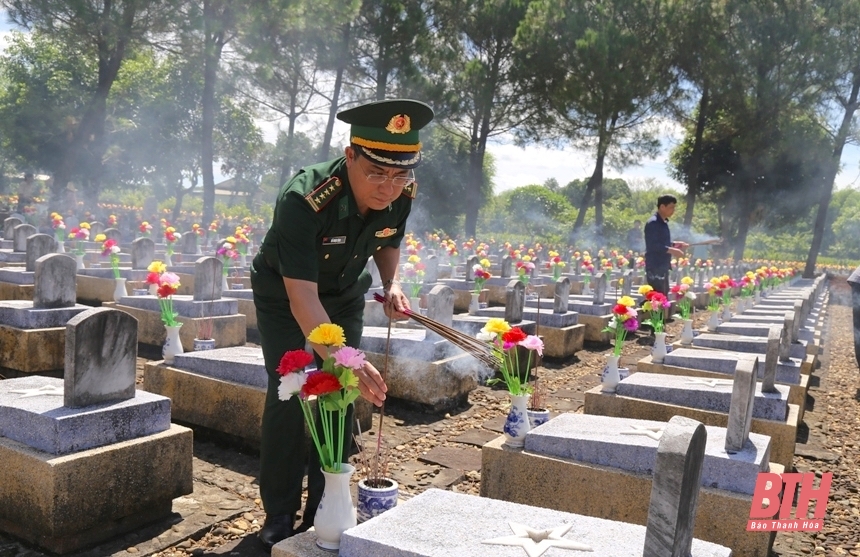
[{"x": 275, "y": 529}]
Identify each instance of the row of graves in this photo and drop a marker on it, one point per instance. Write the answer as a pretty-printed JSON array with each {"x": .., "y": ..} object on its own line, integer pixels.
[{"x": 695, "y": 428}]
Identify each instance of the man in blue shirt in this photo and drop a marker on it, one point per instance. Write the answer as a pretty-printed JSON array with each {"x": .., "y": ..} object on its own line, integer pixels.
[{"x": 659, "y": 248}]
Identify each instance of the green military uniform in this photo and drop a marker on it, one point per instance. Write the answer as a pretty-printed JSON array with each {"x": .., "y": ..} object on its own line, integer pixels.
[{"x": 319, "y": 236}]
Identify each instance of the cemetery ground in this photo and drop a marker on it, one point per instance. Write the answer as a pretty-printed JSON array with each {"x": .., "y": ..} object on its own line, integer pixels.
[{"x": 223, "y": 514}]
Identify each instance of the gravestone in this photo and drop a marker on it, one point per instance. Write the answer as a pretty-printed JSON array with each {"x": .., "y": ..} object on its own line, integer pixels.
[
  {"x": 207, "y": 279},
  {"x": 54, "y": 282},
  {"x": 675, "y": 489},
  {"x": 440, "y": 304},
  {"x": 101, "y": 354},
  {"x": 113, "y": 234},
  {"x": 37, "y": 246},
  {"x": 470, "y": 268},
  {"x": 740, "y": 411},
  {"x": 431, "y": 270},
  {"x": 515, "y": 299},
  {"x": 771, "y": 358},
  {"x": 599, "y": 296},
  {"x": 96, "y": 228},
  {"x": 626, "y": 282},
  {"x": 507, "y": 263},
  {"x": 794, "y": 316},
  {"x": 700, "y": 279},
  {"x": 785, "y": 340},
  {"x": 20, "y": 235},
  {"x": 561, "y": 296},
  {"x": 9, "y": 225},
  {"x": 189, "y": 243},
  {"x": 142, "y": 253}
]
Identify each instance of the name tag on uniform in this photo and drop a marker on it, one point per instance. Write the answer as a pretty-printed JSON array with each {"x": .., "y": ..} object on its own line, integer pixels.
[
  {"x": 385, "y": 233},
  {"x": 334, "y": 241}
]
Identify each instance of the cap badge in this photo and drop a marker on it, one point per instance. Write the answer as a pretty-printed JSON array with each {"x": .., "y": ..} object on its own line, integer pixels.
[
  {"x": 385, "y": 232},
  {"x": 399, "y": 123}
]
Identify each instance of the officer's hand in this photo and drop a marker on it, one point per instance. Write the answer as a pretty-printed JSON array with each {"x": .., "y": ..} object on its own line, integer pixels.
[
  {"x": 676, "y": 252},
  {"x": 370, "y": 384},
  {"x": 396, "y": 302}
]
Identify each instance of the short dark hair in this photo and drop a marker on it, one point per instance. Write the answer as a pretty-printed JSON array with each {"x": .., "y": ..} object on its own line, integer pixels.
[{"x": 666, "y": 199}]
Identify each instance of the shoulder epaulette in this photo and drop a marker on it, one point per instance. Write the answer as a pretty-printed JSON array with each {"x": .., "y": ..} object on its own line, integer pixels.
[
  {"x": 324, "y": 193},
  {"x": 411, "y": 190}
]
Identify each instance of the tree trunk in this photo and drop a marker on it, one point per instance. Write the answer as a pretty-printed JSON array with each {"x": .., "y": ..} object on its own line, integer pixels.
[
  {"x": 829, "y": 178},
  {"x": 335, "y": 96},
  {"x": 696, "y": 157},
  {"x": 745, "y": 208},
  {"x": 214, "y": 44},
  {"x": 180, "y": 195},
  {"x": 595, "y": 182}
]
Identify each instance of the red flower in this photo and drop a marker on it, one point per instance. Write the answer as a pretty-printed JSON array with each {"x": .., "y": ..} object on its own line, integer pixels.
[
  {"x": 514, "y": 336},
  {"x": 294, "y": 360},
  {"x": 152, "y": 278},
  {"x": 320, "y": 383},
  {"x": 109, "y": 243},
  {"x": 166, "y": 290},
  {"x": 619, "y": 309}
]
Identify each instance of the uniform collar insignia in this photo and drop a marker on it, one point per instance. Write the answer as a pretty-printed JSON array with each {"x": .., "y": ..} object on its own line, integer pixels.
[
  {"x": 411, "y": 190},
  {"x": 324, "y": 193},
  {"x": 385, "y": 232}
]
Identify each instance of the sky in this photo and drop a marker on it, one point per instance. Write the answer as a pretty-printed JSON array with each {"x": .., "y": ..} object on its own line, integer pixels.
[{"x": 533, "y": 164}]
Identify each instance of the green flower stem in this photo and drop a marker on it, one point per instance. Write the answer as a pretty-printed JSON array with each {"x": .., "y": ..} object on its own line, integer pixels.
[{"x": 306, "y": 410}]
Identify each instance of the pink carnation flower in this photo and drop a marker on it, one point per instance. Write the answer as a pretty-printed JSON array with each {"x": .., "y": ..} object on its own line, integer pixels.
[
  {"x": 532, "y": 342},
  {"x": 169, "y": 278},
  {"x": 349, "y": 357}
]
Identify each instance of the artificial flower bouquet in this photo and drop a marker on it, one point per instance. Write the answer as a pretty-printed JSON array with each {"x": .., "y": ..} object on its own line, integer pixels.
[
  {"x": 481, "y": 274},
  {"x": 556, "y": 263},
  {"x": 655, "y": 304},
  {"x": 111, "y": 249},
  {"x": 145, "y": 229},
  {"x": 684, "y": 296},
  {"x": 167, "y": 284},
  {"x": 505, "y": 341},
  {"x": 80, "y": 234},
  {"x": 524, "y": 269},
  {"x": 226, "y": 253},
  {"x": 715, "y": 290},
  {"x": 335, "y": 386},
  {"x": 413, "y": 275},
  {"x": 59, "y": 227},
  {"x": 624, "y": 320},
  {"x": 171, "y": 236}
]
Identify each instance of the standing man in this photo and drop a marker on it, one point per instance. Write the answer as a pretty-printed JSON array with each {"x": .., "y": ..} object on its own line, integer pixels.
[
  {"x": 854, "y": 283},
  {"x": 659, "y": 248},
  {"x": 328, "y": 220}
]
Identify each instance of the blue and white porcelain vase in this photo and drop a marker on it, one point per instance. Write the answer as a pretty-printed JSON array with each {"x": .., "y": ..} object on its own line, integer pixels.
[
  {"x": 537, "y": 417},
  {"x": 336, "y": 513},
  {"x": 658, "y": 352},
  {"x": 687, "y": 332},
  {"x": 172, "y": 344},
  {"x": 373, "y": 501},
  {"x": 474, "y": 304},
  {"x": 611, "y": 376},
  {"x": 517, "y": 422}
]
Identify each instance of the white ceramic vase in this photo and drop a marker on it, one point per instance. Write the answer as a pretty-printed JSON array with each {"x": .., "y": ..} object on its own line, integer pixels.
[
  {"x": 119, "y": 289},
  {"x": 687, "y": 332},
  {"x": 713, "y": 321},
  {"x": 153, "y": 290},
  {"x": 335, "y": 513},
  {"x": 586, "y": 289},
  {"x": 474, "y": 304},
  {"x": 757, "y": 296},
  {"x": 611, "y": 378},
  {"x": 224, "y": 285},
  {"x": 79, "y": 262},
  {"x": 61, "y": 246},
  {"x": 243, "y": 260},
  {"x": 167, "y": 259},
  {"x": 517, "y": 422},
  {"x": 658, "y": 352},
  {"x": 172, "y": 344},
  {"x": 727, "y": 313}
]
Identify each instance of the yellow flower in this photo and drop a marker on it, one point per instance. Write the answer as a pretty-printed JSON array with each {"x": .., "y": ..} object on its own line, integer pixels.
[
  {"x": 485, "y": 263},
  {"x": 85, "y": 225},
  {"x": 231, "y": 239},
  {"x": 497, "y": 325},
  {"x": 156, "y": 267},
  {"x": 414, "y": 259},
  {"x": 645, "y": 289},
  {"x": 527, "y": 258},
  {"x": 687, "y": 280},
  {"x": 627, "y": 301},
  {"x": 100, "y": 238},
  {"x": 327, "y": 334}
]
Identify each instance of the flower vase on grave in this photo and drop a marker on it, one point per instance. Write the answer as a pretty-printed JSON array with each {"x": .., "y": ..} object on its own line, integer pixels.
[
  {"x": 517, "y": 422},
  {"x": 140, "y": 292},
  {"x": 758, "y": 296},
  {"x": 658, "y": 352},
  {"x": 713, "y": 321},
  {"x": 687, "y": 332},
  {"x": 586, "y": 289},
  {"x": 167, "y": 259},
  {"x": 172, "y": 344},
  {"x": 727, "y": 313},
  {"x": 224, "y": 285},
  {"x": 204, "y": 344},
  {"x": 335, "y": 513},
  {"x": 237, "y": 286},
  {"x": 79, "y": 262},
  {"x": 611, "y": 375},
  {"x": 61, "y": 246},
  {"x": 242, "y": 260},
  {"x": 537, "y": 416},
  {"x": 119, "y": 289},
  {"x": 153, "y": 289},
  {"x": 373, "y": 501},
  {"x": 474, "y": 304}
]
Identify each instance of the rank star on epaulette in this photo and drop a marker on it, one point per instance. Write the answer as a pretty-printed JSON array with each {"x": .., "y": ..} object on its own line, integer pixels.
[
  {"x": 385, "y": 232},
  {"x": 411, "y": 190},
  {"x": 324, "y": 193}
]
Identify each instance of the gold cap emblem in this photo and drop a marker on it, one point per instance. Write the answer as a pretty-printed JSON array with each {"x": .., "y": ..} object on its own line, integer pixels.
[{"x": 399, "y": 123}]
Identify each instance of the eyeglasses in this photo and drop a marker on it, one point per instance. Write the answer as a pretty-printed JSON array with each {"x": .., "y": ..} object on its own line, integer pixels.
[{"x": 396, "y": 181}]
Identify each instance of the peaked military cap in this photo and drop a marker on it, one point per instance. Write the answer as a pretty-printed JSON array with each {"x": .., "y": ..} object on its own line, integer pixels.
[{"x": 386, "y": 132}]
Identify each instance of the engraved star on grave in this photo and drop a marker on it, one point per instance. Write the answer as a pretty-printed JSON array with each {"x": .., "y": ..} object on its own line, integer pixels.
[
  {"x": 709, "y": 382},
  {"x": 45, "y": 390},
  {"x": 653, "y": 432},
  {"x": 537, "y": 542}
]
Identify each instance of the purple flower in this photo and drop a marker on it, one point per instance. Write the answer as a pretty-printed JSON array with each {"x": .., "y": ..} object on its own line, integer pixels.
[
  {"x": 631, "y": 325},
  {"x": 508, "y": 345},
  {"x": 349, "y": 357},
  {"x": 532, "y": 342}
]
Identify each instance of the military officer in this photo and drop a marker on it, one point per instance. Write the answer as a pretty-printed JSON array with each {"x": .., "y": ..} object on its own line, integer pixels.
[{"x": 328, "y": 220}]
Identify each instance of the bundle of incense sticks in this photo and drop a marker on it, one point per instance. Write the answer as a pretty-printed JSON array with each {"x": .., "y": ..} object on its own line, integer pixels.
[{"x": 478, "y": 349}]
